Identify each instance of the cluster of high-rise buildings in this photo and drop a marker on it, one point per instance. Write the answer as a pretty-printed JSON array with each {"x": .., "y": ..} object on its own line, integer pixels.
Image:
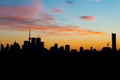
[{"x": 35, "y": 44}]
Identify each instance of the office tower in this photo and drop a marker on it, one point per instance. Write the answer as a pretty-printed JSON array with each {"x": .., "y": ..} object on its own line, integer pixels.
[
  {"x": 54, "y": 49},
  {"x": 81, "y": 49},
  {"x": 91, "y": 48},
  {"x": 26, "y": 44},
  {"x": 16, "y": 45},
  {"x": 42, "y": 45},
  {"x": 33, "y": 41},
  {"x": 29, "y": 35},
  {"x": 38, "y": 40},
  {"x": 113, "y": 41},
  {"x": 2, "y": 47},
  {"x": 56, "y": 46},
  {"x": 7, "y": 47},
  {"x": 67, "y": 48}
]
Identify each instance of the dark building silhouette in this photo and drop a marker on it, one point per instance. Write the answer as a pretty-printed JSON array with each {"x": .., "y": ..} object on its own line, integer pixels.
[
  {"x": 2, "y": 47},
  {"x": 26, "y": 44},
  {"x": 15, "y": 48},
  {"x": 42, "y": 45},
  {"x": 54, "y": 49},
  {"x": 81, "y": 49},
  {"x": 29, "y": 35},
  {"x": 94, "y": 50},
  {"x": 61, "y": 49},
  {"x": 7, "y": 47},
  {"x": 106, "y": 50},
  {"x": 38, "y": 40},
  {"x": 87, "y": 51},
  {"x": 56, "y": 46},
  {"x": 33, "y": 51},
  {"x": 33, "y": 41},
  {"x": 73, "y": 50},
  {"x": 113, "y": 41},
  {"x": 91, "y": 48},
  {"x": 67, "y": 48}
]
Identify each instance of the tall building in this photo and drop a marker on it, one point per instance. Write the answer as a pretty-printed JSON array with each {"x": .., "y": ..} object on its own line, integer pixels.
[
  {"x": 2, "y": 47},
  {"x": 81, "y": 49},
  {"x": 33, "y": 41},
  {"x": 56, "y": 45},
  {"x": 38, "y": 40},
  {"x": 42, "y": 45},
  {"x": 67, "y": 48},
  {"x": 113, "y": 41},
  {"x": 29, "y": 35},
  {"x": 91, "y": 48},
  {"x": 26, "y": 44}
]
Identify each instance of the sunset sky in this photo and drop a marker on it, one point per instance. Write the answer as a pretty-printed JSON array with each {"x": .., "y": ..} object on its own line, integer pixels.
[{"x": 76, "y": 22}]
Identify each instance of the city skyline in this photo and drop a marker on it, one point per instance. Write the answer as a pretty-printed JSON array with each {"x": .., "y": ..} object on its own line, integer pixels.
[
  {"x": 75, "y": 22},
  {"x": 37, "y": 42}
]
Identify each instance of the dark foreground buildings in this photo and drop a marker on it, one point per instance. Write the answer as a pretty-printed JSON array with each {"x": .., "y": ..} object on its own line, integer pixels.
[
  {"x": 33, "y": 51},
  {"x": 34, "y": 57}
]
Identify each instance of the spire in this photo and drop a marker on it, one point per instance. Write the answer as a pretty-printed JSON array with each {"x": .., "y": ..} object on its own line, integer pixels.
[{"x": 29, "y": 34}]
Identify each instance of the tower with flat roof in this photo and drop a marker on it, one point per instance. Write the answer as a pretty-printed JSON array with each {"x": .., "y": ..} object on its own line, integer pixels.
[
  {"x": 113, "y": 41},
  {"x": 29, "y": 35}
]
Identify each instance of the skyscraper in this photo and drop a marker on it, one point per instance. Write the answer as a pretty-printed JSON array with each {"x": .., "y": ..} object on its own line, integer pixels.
[
  {"x": 29, "y": 35},
  {"x": 113, "y": 41},
  {"x": 81, "y": 49},
  {"x": 67, "y": 48},
  {"x": 33, "y": 41},
  {"x": 38, "y": 40}
]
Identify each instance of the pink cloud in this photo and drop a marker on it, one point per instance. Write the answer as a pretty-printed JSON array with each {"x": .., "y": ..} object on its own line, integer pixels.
[
  {"x": 24, "y": 15},
  {"x": 88, "y": 18},
  {"x": 20, "y": 13},
  {"x": 55, "y": 30},
  {"x": 29, "y": 10},
  {"x": 57, "y": 10}
]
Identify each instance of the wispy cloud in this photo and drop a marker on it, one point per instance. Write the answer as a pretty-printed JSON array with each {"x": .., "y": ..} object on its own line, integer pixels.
[
  {"x": 88, "y": 18},
  {"x": 57, "y": 10},
  {"x": 27, "y": 14},
  {"x": 56, "y": 30},
  {"x": 69, "y": 2}
]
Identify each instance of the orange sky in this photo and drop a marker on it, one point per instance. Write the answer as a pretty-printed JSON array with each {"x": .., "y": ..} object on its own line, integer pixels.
[{"x": 76, "y": 42}]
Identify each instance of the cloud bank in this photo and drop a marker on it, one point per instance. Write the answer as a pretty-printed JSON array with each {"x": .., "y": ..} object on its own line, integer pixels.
[{"x": 20, "y": 18}]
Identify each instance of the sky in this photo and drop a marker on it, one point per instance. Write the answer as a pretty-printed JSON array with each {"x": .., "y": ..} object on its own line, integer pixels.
[{"x": 78, "y": 23}]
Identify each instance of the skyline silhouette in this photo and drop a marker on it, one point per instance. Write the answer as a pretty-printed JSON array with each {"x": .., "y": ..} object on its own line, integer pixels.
[
  {"x": 37, "y": 42},
  {"x": 48, "y": 39},
  {"x": 33, "y": 51}
]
